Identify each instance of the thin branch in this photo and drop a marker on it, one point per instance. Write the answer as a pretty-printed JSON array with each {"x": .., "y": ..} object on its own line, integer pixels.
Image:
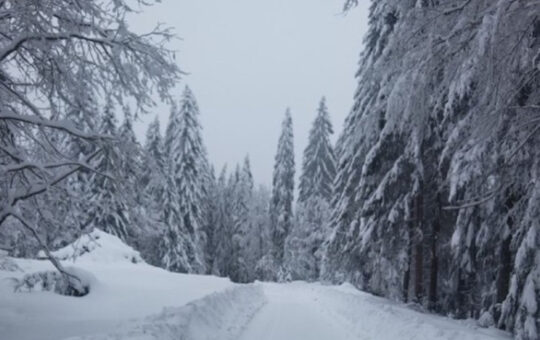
[{"x": 65, "y": 126}]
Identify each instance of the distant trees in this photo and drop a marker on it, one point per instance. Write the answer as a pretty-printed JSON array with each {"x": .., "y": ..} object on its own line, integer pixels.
[{"x": 240, "y": 234}]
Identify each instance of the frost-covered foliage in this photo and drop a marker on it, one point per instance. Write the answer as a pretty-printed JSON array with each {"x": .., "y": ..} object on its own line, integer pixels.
[
  {"x": 437, "y": 162},
  {"x": 6, "y": 263},
  {"x": 281, "y": 208},
  {"x": 241, "y": 235},
  {"x": 319, "y": 163},
  {"x": 58, "y": 61},
  {"x": 185, "y": 196},
  {"x": 242, "y": 224},
  {"x": 108, "y": 207},
  {"x": 303, "y": 245},
  {"x": 77, "y": 282}
]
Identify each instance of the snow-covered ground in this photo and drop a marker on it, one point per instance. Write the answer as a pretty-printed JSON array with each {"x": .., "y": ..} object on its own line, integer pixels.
[
  {"x": 132, "y": 300},
  {"x": 123, "y": 290}
]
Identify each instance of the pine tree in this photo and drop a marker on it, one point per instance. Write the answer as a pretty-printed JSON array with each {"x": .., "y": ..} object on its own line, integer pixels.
[
  {"x": 312, "y": 211},
  {"x": 223, "y": 229},
  {"x": 319, "y": 163},
  {"x": 281, "y": 209},
  {"x": 189, "y": 169},
  {"x": 154, "y": 170},
  {"x": 260, "y": 235},
  {"x": 241, "y": 223}
]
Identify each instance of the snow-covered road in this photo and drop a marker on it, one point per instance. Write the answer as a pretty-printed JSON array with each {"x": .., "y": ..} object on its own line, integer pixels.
[
  {"x": 293, "y": 312},
  {"x": 301, "y": 311}
]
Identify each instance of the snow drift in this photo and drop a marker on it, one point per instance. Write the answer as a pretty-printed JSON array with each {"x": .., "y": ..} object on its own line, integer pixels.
[{"x": 122, "y": 288}]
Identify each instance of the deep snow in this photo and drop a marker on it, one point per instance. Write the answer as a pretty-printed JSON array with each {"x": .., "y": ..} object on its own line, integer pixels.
[
  {"x": 123, "y": 290},
  {"x": 132, "y": 300}
]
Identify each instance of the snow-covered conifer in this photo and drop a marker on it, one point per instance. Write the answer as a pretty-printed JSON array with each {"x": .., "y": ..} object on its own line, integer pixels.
[
  {"x": 188, "y": 167},
  {"x": 302, "y": 249},
  {"x": 242, "y": 224},
  {"x": 281, "y": 208},
  {"x": 319, "y": 163}
]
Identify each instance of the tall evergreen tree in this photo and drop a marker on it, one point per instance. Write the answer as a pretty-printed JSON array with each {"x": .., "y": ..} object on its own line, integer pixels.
[
  {"x": 188, "y": 167},
  {"x": 303, "y": 244},
  {"x": 242, "y": 223},
  {"x": 319, "y": 163},
  {"x": 154, "y": 167},
  {"x": 260, "y": 234},
  {"x": 222, "y": 231},
  {"x": 281, "y": 209}
]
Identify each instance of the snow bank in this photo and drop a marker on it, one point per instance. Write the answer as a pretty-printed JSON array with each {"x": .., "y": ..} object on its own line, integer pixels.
[
  {"x": 219, "y": 316},
  {"x": 98, "y": 246},
  {"x": 119, "y": 291}
]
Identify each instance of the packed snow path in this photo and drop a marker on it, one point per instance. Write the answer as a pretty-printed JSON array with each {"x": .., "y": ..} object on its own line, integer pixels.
[
  {"x": 293, "y": 312},
  {"x": 301, "y": 311}
]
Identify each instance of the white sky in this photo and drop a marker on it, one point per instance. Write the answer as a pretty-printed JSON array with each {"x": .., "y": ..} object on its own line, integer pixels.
[{"x": 250, "y": 59}]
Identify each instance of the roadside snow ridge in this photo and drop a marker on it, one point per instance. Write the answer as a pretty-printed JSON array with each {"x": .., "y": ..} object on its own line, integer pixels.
[{"x": 218, "y": 316}]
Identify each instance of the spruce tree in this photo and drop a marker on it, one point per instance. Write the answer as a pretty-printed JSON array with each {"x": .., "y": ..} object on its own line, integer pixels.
[
  {"x": 188, "y": 167},
  {"x": 303, "y": 245},
  {"x": 222, "y": 230},
  {"x": 241, "y": 223},
  {"x": 281, "y": 209},
  {"x": 154, "y": 165},
  {"x": 319, "y": 163}
]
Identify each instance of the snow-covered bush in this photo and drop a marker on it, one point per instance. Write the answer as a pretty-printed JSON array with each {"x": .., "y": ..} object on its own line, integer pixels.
[
  {"x": 77, "y": 282},
  {"x": 98, "y": 246},
  {"x": 7, "y": 264}
]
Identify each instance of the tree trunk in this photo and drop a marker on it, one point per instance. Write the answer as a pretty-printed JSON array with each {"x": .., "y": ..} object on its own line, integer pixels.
[
  {"x": 419, "y": 250},
  {"x": 503, "y": 277},
  {"x": 434, "y": 269}
]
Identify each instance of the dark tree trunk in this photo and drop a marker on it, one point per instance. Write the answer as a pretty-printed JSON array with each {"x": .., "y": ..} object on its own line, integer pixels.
[
  {"x": 503, "y": 277},
  {"x": 434, "y": 269},
  {"x": 407, "y": 276},
  {"x": 419, "y": 250}
]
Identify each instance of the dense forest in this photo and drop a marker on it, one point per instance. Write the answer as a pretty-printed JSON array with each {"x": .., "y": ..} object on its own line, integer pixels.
[{"x": 431, "y": 195}]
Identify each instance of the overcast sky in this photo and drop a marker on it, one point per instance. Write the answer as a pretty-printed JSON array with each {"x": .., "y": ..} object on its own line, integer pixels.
[{"x": 248, "y": 60}]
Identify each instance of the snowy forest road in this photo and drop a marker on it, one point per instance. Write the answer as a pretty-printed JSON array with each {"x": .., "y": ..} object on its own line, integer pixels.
[
  {"x": 302, "y": 311},
  {"x": 293, "y": 313}
]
